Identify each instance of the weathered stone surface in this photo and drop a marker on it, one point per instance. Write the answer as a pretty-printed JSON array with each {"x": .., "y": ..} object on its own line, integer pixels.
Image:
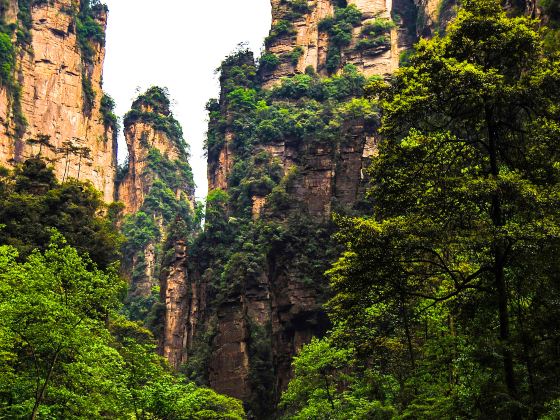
[
  {"x": 278, "y": 300},
  {"x": 314, "y": 43},
  {"x": 50, "y": 73},
  {"x": 140, "y": 138},
  {"x": 181, "y": 306},
  {"x": 157, "y": 153}
]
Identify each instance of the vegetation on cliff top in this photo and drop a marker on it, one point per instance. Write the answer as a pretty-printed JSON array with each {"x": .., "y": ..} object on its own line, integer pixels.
[
  {"x": 445, "y": 298},
  {"x": 153, "y": 108},
  {"x": 167, "y": 211},
  {"x": 235, "y": 251}
]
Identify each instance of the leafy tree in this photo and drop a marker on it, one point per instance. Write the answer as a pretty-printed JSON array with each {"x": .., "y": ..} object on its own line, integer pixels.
[
  {"x": 65, "y": 354},
  {"x": 32, "y": 202},
  {"x": 447, "y": 286},
  {"x": 321, "y": 370},
  {"x": 53, "y": 309}
]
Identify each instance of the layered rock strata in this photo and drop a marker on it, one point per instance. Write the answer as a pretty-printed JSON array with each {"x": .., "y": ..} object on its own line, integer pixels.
[
  {"x": 252, "y": 291},
  {"x": 157, "y": 190},
  {"x": 300, "y": 40},
  {"x": 54, "y": 95}
]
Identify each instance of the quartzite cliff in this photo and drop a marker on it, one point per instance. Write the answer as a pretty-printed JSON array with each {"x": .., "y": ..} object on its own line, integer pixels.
[
  {"x": 255, "y": 278},
  {"x": 52, "y": 94},
  {"x": 259, "y": 301}
]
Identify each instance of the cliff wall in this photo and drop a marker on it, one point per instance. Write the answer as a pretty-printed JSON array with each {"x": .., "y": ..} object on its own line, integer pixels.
[
  {"x": 320, "y": 35},
  {"x": 53, "y": 91},
  {"x": 157, "y": 189}
]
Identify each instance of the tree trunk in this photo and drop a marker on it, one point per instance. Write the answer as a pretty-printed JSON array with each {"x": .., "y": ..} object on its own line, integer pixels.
[
  {"x": 41, "y": 395},
  {"x": 505, "y": 333},
  {"x": 499, "y": 251}
]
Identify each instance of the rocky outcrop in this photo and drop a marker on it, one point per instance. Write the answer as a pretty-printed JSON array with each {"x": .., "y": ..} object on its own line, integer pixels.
[
  {"x": 181, "y": 300},
  {"x": 145, "y": 142},
  {"x": 157, "y": 190},
  {"x": 55, "y": 93},
  {"x": 261, "y": 298},
  {"x": 300, "y": 37}
]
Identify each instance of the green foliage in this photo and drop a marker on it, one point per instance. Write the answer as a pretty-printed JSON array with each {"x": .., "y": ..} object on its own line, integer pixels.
[
  {"x": 139, "y": 230},
  {"x": 32, "y": 202},
  {"x": 197, "y": 366},
  {"x": 298, "y": 8},
  {"x": 269, "y": 61},
  {"x": 280, "y": 29},
  {"x": 89, "y": 35},
  {"x": 321, "y": 370},
  {"x": 8, "y": 79},
  {"x": 156, "y": 99},
  {"x": 551, "y": 8},
  {"x": 237, "y": 249},
  {"x": 110, "y": 120},
  {"x": 445, "y": 291},
  {"x": 153, "y": 107},
  {"x": 339, "y": 28},
  {"x": 64, "y": 354},
  {"x": 88, "y": 94},
  {"x": 53, "y": 337},
  {"x": 404, "y": 58},
  {"x": 175, "y": 174},
  {"x": 166, "y": 215},
  {"x": 295, "y": 55},
  {"x": 89, "y": 32},
  {"x": 375, "y": 34},
  {"x": 7, "y": 60},
  {"x": 23, "y": 31},
  {"x": 261, "y": 373}
]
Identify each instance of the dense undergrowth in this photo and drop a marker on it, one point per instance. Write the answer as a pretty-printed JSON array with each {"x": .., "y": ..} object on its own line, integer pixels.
[{"x": 65, "y": 349}]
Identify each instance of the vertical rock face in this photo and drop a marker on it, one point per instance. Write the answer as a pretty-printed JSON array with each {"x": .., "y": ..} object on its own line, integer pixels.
[
  {"x": 157, "y": 190},
  {"x": 300, "y": 36},
  {"x": 283, "y": 155},
  {"x": 153, "y": 138},
  {"x": 221, "y": 158},
  {"x": 258, "y": 295},
  {"x": 55, "y": 93},
  {"x": 180, "y": 299}
]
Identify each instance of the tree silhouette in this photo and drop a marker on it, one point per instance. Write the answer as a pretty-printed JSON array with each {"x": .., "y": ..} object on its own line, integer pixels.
[{"x": 43, "y": 140}]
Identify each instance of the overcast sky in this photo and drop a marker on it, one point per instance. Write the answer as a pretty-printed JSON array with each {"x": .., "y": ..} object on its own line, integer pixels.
[{"x": 178, "y": 44}]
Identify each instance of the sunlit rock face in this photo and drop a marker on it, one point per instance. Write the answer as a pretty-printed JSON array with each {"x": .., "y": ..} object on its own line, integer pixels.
[
  {"x": 157, "y": 190},
  {"x": 51, "y": 72},
  {"x": 310, "y": 42}
]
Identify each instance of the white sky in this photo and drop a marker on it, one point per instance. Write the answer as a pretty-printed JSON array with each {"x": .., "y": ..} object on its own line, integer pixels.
[{"x": 178, "y": 44}]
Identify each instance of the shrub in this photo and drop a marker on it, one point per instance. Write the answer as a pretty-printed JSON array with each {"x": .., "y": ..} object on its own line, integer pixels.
[
  {"x": 377, "y": 27},
  {"x": 295, "y": 55},
  {"x": 88, "y": 94},
  {"x": 339, "y": 28},
  {"x": 279, "y": 29},
  {"x": 7, "y": 59},
  {"x": 269, "y": 61},
  {"x": 110, "y": 120},
  {"x": 371, "y": 43}
]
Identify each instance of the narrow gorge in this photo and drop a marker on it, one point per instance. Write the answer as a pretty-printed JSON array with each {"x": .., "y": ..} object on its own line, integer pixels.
[{"x": 234, "y": 288}]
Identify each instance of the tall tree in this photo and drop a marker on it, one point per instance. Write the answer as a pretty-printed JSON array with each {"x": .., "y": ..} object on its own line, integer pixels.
[{"x": 464, "y": 234}]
